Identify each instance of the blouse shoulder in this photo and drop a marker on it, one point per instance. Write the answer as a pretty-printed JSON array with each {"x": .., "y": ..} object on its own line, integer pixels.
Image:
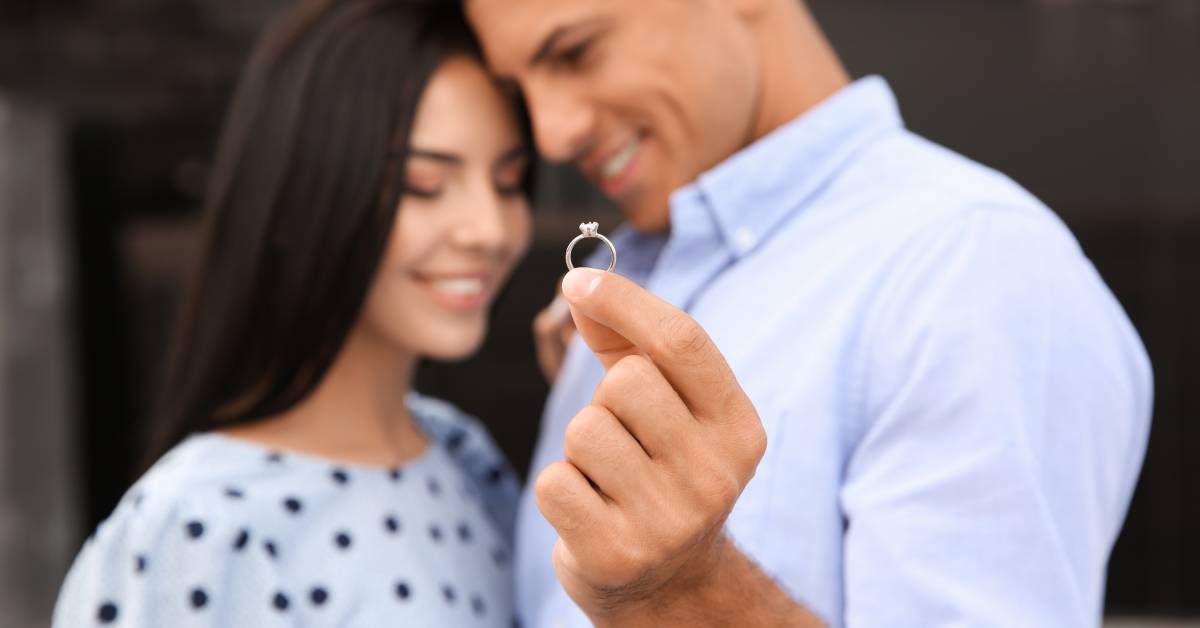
[
  {"x": 470, "y": 445},
  {"x": 169, "y": 551}
]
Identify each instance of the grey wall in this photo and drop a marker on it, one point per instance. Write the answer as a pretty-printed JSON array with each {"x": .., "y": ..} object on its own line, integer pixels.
[
  {"x": 38, "y": 500},
  {"x": 1094, "y": 106}
]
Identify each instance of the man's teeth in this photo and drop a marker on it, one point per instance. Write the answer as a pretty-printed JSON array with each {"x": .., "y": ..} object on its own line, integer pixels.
[
  {"x": 617, "y": 163},
  {"x": 458, "y": 287}
]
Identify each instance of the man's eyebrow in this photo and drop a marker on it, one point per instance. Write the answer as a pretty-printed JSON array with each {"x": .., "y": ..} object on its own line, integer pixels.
[
  {"x": 551, "y": 42},
  {"x": 515, "y": 154}
]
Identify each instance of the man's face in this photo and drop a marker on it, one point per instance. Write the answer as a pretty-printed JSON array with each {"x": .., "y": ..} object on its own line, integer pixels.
[{"x": 641, "y": 95}]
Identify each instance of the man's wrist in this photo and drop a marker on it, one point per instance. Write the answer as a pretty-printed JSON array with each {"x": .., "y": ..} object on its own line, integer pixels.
[{"x": 729, "y": 590}]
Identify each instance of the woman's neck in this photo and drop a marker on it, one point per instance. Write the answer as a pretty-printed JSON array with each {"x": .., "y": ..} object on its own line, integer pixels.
[{"x": 357, "y": 413}]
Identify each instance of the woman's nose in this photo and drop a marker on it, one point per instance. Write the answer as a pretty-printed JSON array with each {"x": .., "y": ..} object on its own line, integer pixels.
[{"x": 482, "y": 225}]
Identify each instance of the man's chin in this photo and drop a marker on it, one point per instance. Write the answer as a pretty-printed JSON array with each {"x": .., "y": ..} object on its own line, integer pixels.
[{"x": 648, "y": 216}]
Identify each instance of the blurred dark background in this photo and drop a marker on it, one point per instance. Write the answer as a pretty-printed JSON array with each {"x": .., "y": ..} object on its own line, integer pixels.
[{"x": 109, "y": 111}]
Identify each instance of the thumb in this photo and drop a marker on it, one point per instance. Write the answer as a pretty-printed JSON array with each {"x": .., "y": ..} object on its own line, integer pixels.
[{"x": 608, "y": 345}]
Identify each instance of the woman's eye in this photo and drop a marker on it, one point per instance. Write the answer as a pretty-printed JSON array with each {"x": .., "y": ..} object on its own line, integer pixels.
[
  {"x": 420, "y": 192},
  {"x": 510, "y": 187},
  {"x": 422, "y": 186},
  {"x": 511, "y": 190},
  {"x": 511, "y": 180}
]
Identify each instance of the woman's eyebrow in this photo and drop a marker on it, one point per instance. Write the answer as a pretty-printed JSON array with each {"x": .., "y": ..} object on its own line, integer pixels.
[{"x": 446, "y": 158}]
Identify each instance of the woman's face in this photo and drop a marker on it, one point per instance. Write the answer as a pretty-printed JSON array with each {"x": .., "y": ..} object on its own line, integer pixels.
[{"x": 463, "y": 220}]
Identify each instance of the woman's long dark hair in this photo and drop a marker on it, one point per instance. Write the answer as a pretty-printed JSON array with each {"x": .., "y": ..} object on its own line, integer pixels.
[{"x": 300, "y": 204}]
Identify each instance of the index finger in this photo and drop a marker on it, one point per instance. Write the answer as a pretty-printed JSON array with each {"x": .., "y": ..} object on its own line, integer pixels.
[{"x": 616, "y": 317}]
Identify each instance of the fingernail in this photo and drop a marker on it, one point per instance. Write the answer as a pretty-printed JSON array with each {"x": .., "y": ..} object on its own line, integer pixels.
[{"x": 580, "y": 282}]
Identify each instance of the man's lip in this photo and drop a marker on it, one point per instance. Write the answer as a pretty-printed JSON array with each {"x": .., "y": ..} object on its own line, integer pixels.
[{"x": 593, "y": 164}]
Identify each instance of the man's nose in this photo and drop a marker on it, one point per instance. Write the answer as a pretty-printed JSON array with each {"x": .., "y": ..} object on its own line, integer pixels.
[{"x": 562, "y": 122}]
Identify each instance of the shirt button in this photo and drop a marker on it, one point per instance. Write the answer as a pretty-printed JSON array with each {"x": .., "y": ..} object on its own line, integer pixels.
[{"x": 744, "y": 239}]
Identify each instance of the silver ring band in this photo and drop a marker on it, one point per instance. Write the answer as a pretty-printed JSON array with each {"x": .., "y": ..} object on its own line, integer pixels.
[{"x": 589, "y": 230}]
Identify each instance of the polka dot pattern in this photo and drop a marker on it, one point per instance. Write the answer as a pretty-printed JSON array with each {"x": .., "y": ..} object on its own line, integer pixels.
[
  {"x": 303, "y": 535},
  {"x": 107, "y": 613},
  {"x": 199, "y": 598},
  {"x": 340, "y": 477}
]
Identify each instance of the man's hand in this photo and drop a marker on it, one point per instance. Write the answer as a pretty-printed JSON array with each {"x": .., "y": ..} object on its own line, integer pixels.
[
  {"x": 655, "y": 464},
  {"x": 553, "y": 329}
]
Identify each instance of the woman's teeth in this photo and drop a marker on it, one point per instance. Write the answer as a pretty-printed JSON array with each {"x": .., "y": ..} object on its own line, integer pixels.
[
  {"x": 617, "y": 163},
  {"x": 459, "y": 287}
]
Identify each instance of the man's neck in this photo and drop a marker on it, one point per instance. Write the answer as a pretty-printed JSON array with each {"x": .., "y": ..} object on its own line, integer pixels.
[{"x": 800, "y": 67}]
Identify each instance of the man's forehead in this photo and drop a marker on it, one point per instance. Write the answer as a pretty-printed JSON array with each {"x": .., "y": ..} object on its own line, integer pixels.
[{"x": 513, "y": 30}]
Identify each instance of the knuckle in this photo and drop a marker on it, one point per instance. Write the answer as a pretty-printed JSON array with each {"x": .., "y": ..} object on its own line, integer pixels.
[
  {"x": 552, "y": 482},
  {"x": 717, "y": 491},
  {"x": 757, "y": 447},
  {"x": 726, "y": 492},
  {"x": 632, "y": 554},
  {"x": 683, "y": 338},
  {"x": 584, "y": 430},
  {"x": 635, "y": 368},
  {"x": 625, "y": 378},
  {"x": 554, "y": 492}
]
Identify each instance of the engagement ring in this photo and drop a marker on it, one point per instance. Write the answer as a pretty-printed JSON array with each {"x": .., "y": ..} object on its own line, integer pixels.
[{"x": 590, "y": 230}]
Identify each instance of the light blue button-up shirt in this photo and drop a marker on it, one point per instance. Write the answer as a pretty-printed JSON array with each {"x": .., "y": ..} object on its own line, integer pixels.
[{"x": 956, "y": 406}]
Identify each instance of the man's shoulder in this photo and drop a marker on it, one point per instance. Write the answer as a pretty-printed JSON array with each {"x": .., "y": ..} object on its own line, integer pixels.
[
  {"x": 903, "y": 190},
  {"x": 904, "y": 170}
]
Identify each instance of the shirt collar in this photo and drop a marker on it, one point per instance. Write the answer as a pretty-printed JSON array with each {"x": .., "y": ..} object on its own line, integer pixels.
[{"x": 750, "y": 193}]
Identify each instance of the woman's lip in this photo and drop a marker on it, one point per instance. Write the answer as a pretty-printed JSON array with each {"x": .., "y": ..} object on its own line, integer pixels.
[{"x": 459, "y": 292}]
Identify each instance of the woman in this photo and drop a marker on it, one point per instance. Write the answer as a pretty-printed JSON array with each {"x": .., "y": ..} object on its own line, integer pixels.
[{"x": 368, "y": 199}]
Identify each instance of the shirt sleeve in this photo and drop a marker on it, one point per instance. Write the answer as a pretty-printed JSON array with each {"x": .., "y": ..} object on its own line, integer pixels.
[
  {"x": 180, "y": 564},
  {"x": 1006, "y": 405}
]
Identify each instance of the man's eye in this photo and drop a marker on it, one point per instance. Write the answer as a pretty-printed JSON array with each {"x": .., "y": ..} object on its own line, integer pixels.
[{"x": 575, "y": 55}]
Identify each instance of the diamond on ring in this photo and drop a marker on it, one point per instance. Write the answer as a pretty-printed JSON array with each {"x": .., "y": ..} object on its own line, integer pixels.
[{"x": 591, "y": 230}]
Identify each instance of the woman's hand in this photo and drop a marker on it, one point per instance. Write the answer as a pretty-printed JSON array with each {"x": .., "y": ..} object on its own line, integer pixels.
[{"x": 553, "y": 329}]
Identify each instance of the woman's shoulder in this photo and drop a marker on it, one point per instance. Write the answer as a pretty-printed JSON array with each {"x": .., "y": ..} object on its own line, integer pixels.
[
  {"x": 181, "y": 518},
  {"x": 186, "y": 494},
  {"x": 472, "y": 448},
  {"x": 458, "y": 432}
]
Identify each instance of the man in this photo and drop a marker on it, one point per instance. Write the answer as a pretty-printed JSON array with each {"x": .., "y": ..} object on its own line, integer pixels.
[{"x": 955, "y": 407}]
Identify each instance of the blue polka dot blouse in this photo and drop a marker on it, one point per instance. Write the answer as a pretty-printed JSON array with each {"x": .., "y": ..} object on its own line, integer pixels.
[{"x": 223, "y": 532}]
